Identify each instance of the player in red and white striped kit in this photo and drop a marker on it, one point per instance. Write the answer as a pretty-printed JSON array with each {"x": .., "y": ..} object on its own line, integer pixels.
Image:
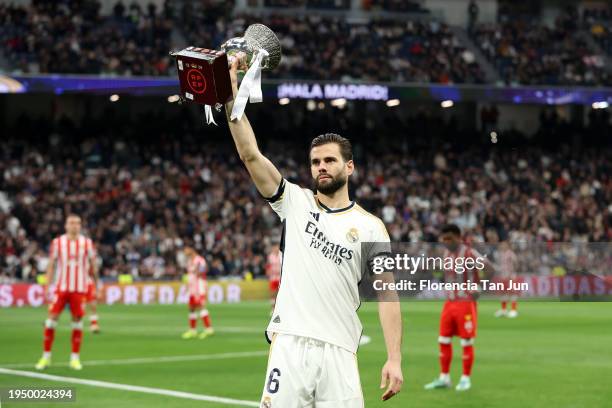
[
  {"x": 507, "y": 260},
  {"x": 273, "y": 272},
  {"x": 71, "y": 260},
  {"x": 459, "y": 315},
  {"x": 196, "y": 282}
]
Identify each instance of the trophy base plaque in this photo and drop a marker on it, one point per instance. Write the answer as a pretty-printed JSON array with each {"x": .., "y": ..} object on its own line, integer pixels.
[{"x": 203, "y": 75}]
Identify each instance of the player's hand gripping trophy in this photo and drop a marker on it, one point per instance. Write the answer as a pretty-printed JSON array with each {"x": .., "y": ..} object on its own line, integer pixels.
[{"x": 204, "y": 76}]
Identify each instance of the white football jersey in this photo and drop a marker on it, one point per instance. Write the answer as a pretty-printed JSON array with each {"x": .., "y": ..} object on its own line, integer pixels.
[{"x": 321, "y": 267}]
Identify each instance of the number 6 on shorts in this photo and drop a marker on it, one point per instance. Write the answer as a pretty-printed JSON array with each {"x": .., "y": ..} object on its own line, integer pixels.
[{"x": 273, "y": 383}]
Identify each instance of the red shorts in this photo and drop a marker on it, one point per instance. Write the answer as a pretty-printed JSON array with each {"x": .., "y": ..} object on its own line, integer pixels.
[
  {"x": 197, "y": 301},
  {"x": 76, "y": 301},
  {"x": 91, "y": 295},
  {"x": 274, "y": 285},
  {"x": 458, "y": 318}
]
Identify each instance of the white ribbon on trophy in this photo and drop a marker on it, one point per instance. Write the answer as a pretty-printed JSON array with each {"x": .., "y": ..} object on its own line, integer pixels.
[
  {"x": 250, "y": 88},
  {"x": 209, "y": 115}
]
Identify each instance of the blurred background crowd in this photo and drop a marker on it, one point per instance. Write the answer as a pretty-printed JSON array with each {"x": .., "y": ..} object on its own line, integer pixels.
[
  {"x": 145, "y": 184},
  {"x": 405, "y": 45}
]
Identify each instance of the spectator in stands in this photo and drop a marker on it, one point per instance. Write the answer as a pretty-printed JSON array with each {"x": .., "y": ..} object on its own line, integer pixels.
[
  {"x": 139, "y": 206},
  {"x": 526, "y": 51}
]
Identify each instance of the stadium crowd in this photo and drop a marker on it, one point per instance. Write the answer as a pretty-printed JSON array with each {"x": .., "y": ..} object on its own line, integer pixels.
[
  {"x": 328, "y": 48},
  {"x": 147, "y": 185},
  {"x": 599, "y": 23},
  {"x": 526, "y": 51},
  {"x": 72, "y": 36}
]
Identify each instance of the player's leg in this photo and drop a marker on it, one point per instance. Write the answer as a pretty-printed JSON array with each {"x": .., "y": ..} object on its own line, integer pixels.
[
  {"x": 447, "y": 330},
  {"x": 193, "y": 319},
  {"x": 291, "y": 373},
  {"x": 55, "y": 309},
  {"x": 77, "y": 309},
  {"x": 339, "y": 385},
  {"x": 503, "y": 310},
  {"x": 205, "y": 316},
  {"x": 467, "y": 332},
  {"x": 93, "y": 316},
  {"x": 513, "y": 308}
]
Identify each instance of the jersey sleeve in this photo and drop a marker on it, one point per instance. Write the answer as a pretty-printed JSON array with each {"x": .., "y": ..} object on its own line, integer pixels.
[
  {"x": 284, "y": 198},
  {"x": 378, "y": 246}
]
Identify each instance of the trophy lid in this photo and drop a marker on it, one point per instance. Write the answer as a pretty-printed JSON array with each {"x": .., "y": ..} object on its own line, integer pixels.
[{"x": 259, "y": 36}]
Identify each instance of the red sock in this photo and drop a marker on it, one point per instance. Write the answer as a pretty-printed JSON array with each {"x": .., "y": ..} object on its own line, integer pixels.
[
  {"x": 192, "y": 321},
  {"x": 77, "y": 336},
  {"x": 205, "y": 318},
  {"x": 93, "y": 320},
  {"x": 514, "y": 305},
  {"x": 504, "y": 303},
  {"x": 468, "y": 359},
  {"x": 49, "y": 335},
  {"x": 446, "y": 355}
]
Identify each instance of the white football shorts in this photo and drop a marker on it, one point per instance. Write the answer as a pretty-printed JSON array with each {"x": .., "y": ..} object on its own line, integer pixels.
[{"x": 308, "y": 373}]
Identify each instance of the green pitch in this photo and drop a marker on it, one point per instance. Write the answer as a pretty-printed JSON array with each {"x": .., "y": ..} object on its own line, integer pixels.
[{"x": 554, "y": 354}]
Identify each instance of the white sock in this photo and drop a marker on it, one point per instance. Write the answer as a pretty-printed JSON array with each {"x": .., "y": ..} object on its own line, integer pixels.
[
  {"x": 49, "y": 323},
  {"x": 465, "y": 377},
  {"x": 47, "y": 354},
  {"x": 445, "y": 377},
  {"x": 74, "y": 356}
]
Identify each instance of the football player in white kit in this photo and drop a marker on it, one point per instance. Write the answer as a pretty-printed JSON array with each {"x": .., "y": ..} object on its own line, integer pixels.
[{"x": 314, "y": 330}]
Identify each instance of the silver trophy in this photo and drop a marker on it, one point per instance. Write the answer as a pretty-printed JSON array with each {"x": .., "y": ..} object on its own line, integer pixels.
[
  {"x": 256, "y": 37},
  {"x": 263, "y": 52}
]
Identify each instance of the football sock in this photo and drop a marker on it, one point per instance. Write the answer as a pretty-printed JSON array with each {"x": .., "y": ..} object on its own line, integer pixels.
[
  {"x": 468, "y": 360},
  {"x": 446, "y": 355},
  {"x": 205, "y": 318},
  {"x": 77, "y": 336},
  {"x": 49, "y": 335}
]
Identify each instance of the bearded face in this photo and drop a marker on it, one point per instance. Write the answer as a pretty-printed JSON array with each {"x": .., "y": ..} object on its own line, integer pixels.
[
  {"x": 329, "y": 170},
  {"x": 328, "y": 184}
]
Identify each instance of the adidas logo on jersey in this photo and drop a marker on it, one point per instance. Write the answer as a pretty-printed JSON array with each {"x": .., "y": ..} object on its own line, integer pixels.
[
  {"x": 276, "y": 319},
  {"x": 315, "y": 215}
]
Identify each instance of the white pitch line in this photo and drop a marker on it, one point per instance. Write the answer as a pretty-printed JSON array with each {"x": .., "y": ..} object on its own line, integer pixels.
[
  {"x": 147, "y": 360},
  {"x": 133, "y": 388}
]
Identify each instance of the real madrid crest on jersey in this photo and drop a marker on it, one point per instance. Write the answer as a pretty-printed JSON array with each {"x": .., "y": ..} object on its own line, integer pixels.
[{"x": 352, "y": 235}]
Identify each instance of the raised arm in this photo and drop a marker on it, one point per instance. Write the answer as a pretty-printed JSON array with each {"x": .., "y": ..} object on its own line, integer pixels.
[{"x": 264, "y": 174}]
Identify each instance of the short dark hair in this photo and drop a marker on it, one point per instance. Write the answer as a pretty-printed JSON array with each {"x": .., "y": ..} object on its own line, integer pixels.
[
  {"x": 451, "y": 229},
  {"x": 346, "y": 149}
]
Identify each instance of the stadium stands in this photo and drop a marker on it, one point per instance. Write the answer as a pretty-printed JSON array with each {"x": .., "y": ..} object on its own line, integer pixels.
[
  {"x": 72, "y": 37},
  {"x": 316, "y": 47},
  {"x": 599, "y": 23},
  {"x": 50, "y": 37},
  {"x": 142, "y": 190},
  {"x": 528, "y": 52}
]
